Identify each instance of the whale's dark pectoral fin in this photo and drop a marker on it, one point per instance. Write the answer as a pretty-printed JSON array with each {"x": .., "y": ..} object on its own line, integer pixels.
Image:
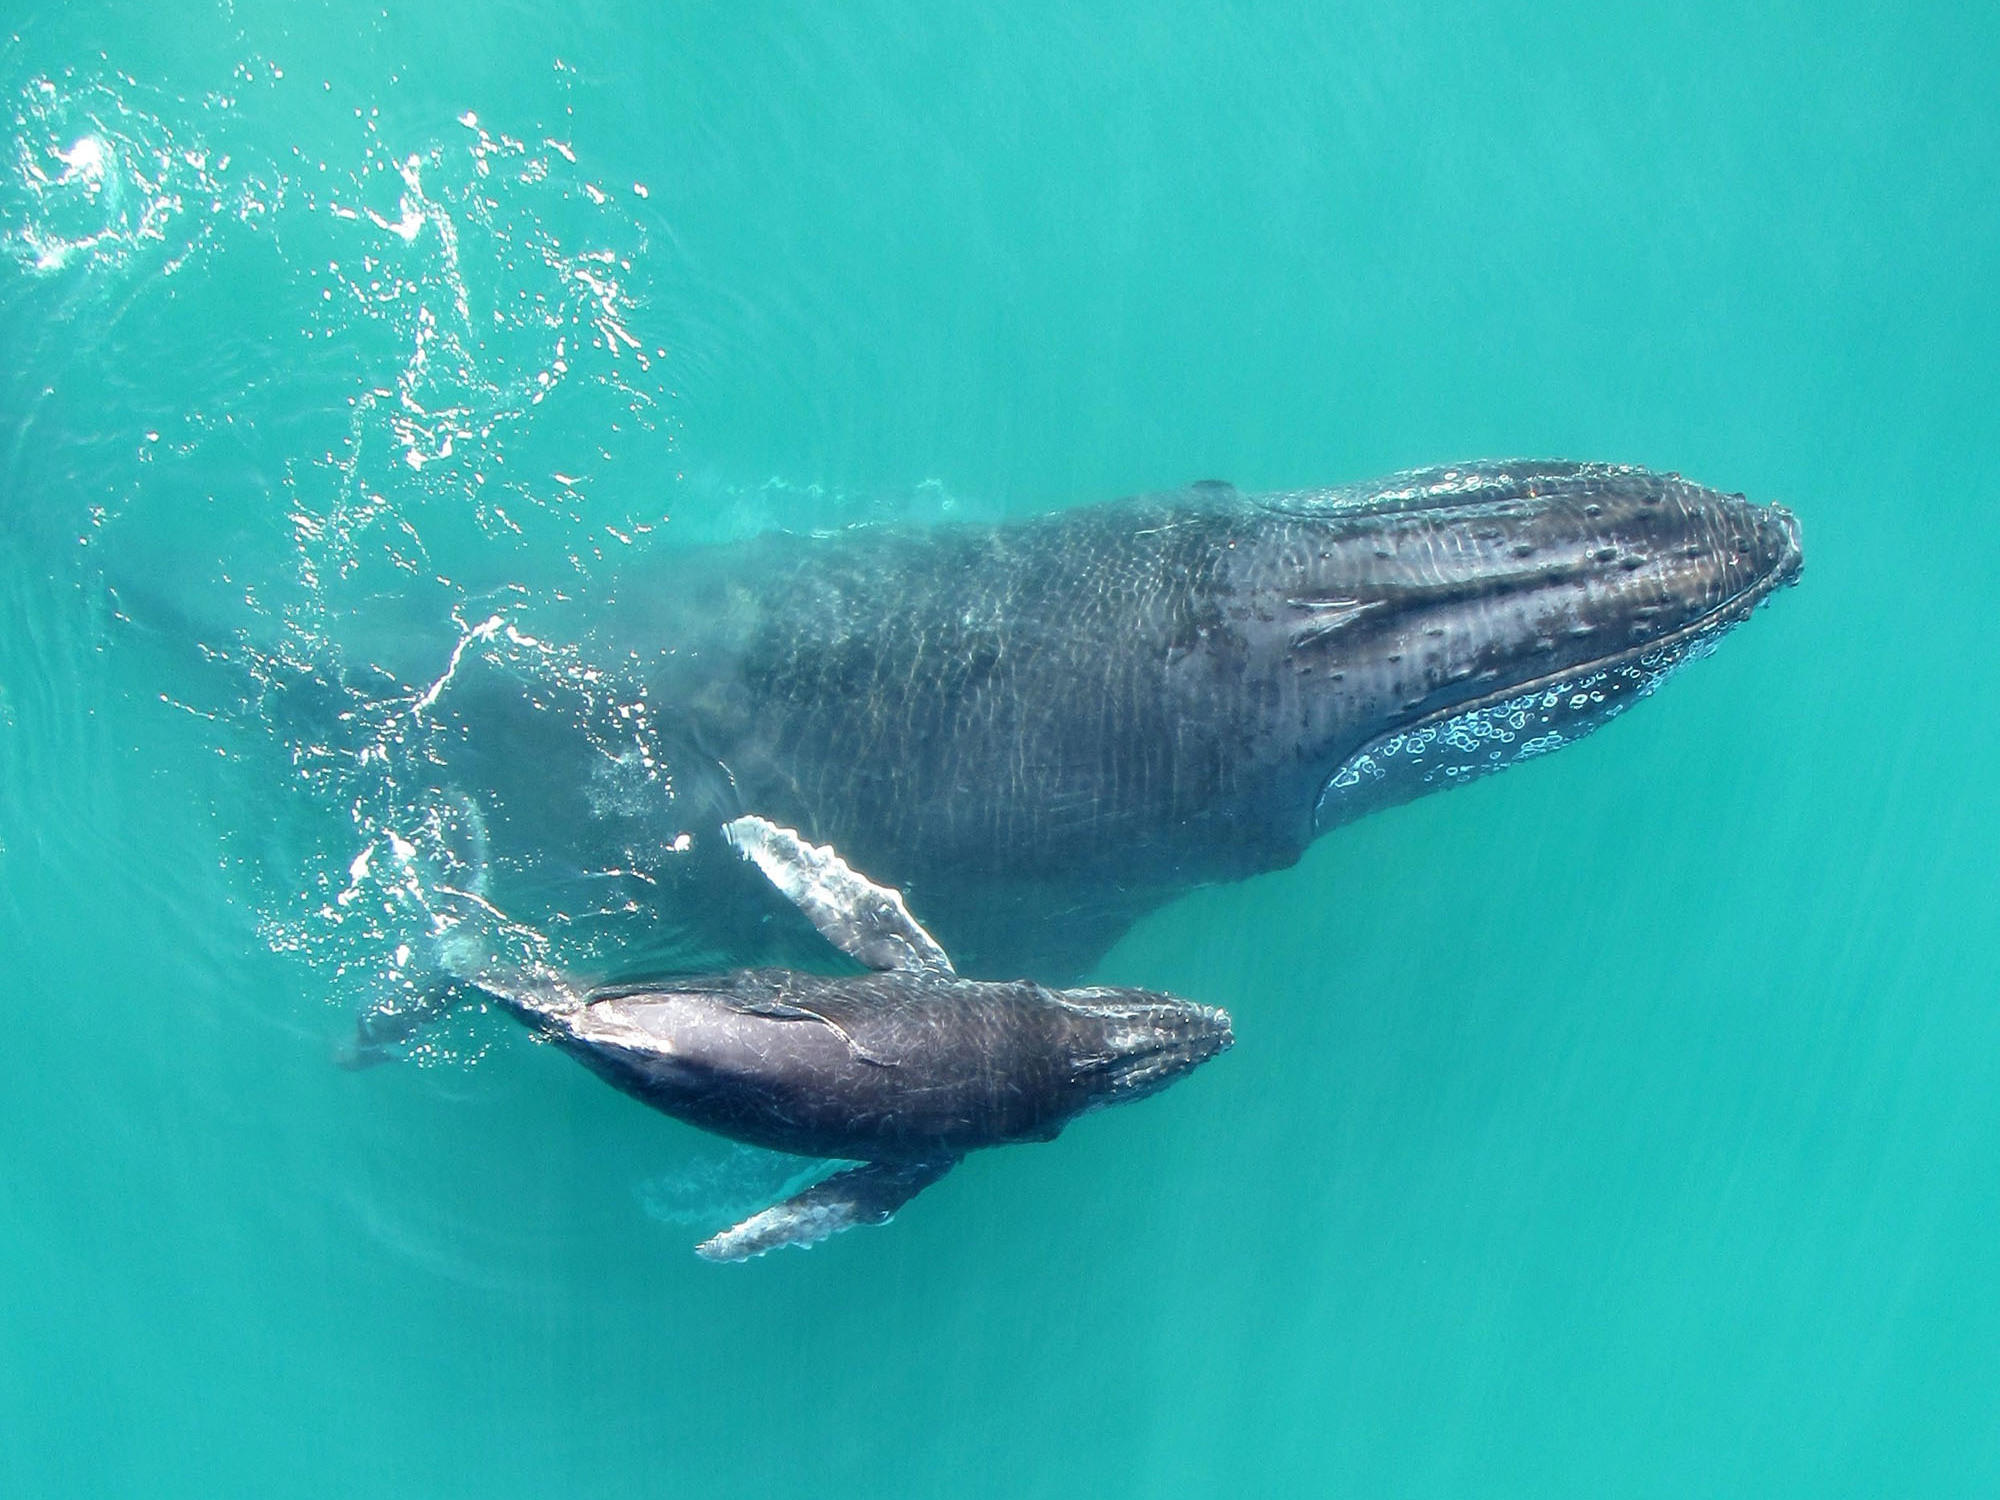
[
  {"x": 868, "y": 1194},
  {"x": 862, "y": 919}
]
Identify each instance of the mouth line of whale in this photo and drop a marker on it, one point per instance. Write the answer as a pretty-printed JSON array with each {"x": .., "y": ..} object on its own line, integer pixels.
[{"x": 1732, "y": 611}]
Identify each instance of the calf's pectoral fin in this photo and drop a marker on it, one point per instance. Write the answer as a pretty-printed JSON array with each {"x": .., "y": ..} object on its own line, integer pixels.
[
  {"x": 780, "y": 1010},
  {"x": 868, "y": 1194},
  {"x": 865, "y": 920}
]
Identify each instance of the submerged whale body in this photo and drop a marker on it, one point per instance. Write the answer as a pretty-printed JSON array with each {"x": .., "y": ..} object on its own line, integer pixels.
[
  {"x": 1044, "y": 729},
  {"x": 902, "y": 1070}
]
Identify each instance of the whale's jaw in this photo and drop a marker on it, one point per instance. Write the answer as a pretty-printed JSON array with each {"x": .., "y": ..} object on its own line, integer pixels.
[{"x": 1469, "y": 619}]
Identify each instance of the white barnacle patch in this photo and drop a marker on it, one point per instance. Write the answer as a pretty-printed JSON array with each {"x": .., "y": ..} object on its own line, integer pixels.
[
  {"x": 1493, "y": 736},
  {"x": 1351, "y": 773}
]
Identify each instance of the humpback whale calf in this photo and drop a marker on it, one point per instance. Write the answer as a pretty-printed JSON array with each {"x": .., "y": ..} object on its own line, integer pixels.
[
  {"x": 902, "y": 1070},
  {"x": 1045, "y": 728}
]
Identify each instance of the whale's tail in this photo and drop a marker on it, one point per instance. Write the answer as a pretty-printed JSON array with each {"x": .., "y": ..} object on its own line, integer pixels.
[
  {"x": 381, "y": 1029},
  {"x": 533, "y": 994}
]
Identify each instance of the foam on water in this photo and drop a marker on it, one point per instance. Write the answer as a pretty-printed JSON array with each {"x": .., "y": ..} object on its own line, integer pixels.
[{"x": 490, "y": 426}]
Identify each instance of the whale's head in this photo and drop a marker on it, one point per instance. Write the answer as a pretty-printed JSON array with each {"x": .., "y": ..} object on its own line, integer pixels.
[
  {"x": 1126, "y": 1043},
  {"x": 1453, "y": 622}
]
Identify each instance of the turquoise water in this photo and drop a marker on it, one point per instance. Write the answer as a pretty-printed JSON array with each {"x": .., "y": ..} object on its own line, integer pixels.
[{"x": 1626, "y": 1124}]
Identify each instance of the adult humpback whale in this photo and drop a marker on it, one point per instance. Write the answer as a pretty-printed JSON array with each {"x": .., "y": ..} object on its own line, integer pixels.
[
  {"x": 1043, "y": 729},
  {"x": 902, "y": 1070}
]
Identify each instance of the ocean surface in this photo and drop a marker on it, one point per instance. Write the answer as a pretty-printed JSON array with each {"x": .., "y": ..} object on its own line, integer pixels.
[{"x": 1628, "y": 1124}]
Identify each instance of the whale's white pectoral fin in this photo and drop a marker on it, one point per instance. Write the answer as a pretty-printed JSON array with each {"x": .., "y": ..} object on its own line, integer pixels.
[
  {"x": 868, "y": 1194},
  {"x": 862, "y": 919}
]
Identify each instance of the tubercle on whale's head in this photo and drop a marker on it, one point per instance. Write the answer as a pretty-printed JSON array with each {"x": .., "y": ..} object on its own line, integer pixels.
[
  {"x": 1128, "y": 1043},
  {"x": 1450, "y": 622}
]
